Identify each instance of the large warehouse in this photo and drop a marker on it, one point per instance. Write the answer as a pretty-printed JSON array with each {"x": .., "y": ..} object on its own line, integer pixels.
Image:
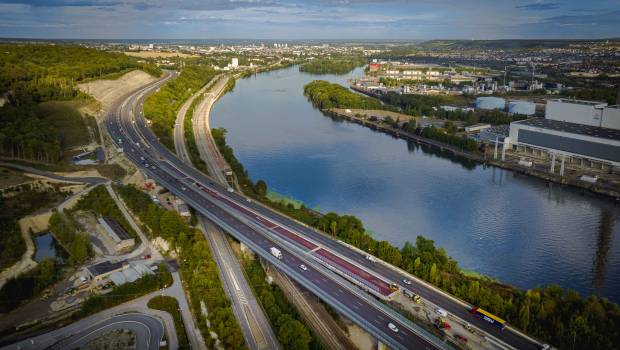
[{"x": 577, "y": 129}]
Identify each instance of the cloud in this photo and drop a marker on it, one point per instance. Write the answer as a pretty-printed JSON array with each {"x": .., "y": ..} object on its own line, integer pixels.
[
  {"x": 580, "y": 20},
  {"x": 63, "y": 3},
  {"x": 540, "y": 6}
]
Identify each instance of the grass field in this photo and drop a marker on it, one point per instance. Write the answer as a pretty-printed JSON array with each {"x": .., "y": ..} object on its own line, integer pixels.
[{"x": 171, "y": 306}]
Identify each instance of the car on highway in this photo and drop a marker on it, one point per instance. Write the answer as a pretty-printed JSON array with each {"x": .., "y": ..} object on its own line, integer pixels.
[
  {"x": 441, "y": 323},
  {"x": 303, "y": 267},
  {"x": 370, "y": 258},
  {"x": 230, "y": 189},
  {"x": 183, "y": 188},
  {"x": 142, "y": 159},
  {"x": 441, "y": 312},
  {"x": 407, "y": 282},
  {"x": 461, "y": 338},
  {"x": 393, "y": 327}
]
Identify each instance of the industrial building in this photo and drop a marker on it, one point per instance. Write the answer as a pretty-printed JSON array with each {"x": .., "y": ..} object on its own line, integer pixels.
[
  {"x": 522, "y": 107},
  {"x": 583, "y": 132},
  {"x": 490, "y": 103},
  {"x": 116, "y": 233},
  {"x": 116, "y": 272}
]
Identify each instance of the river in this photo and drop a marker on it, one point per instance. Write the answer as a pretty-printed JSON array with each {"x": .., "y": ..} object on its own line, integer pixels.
[{"x": 494, "y": 222}]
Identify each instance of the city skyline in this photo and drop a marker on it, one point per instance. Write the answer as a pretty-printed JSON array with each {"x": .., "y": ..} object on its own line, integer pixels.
[{"x": 307, "y": 19}]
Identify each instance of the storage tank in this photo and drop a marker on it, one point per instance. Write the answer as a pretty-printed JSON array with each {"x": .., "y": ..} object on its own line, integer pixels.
[
  {"x": 522, "y": 107},
  {"x": 490, "y": 103}
]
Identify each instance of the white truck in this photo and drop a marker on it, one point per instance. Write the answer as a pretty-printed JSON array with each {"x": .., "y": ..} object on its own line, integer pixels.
[{"x": 276, "y": 252}]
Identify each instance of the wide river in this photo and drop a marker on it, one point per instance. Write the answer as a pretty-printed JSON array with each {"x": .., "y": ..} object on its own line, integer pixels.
[{"x": 492, "y": 221}]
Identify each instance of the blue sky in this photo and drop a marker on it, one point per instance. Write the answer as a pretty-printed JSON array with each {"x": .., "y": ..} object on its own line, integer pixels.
[{"x": 310, "y": 19}]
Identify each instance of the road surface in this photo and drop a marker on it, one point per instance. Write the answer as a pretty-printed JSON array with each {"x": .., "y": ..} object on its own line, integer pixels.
[
  {"x": 132, "y": 132},
  {"x": 254, "y": 324}
]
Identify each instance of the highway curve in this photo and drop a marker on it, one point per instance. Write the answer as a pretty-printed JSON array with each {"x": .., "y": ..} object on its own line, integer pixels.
[{"x": 147, "y": 329}]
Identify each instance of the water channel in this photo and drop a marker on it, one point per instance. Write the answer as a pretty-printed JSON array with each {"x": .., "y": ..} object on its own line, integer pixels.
[{"x": 511, "y": 227}]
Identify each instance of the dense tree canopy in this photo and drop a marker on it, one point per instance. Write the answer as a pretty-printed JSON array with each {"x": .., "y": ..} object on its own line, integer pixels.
[
  {"x": 31, "y": 74},
  {"x": 162, "y": 107},
  {"x": 326, "y": 95},
  {"x": 332, "y": 65}
]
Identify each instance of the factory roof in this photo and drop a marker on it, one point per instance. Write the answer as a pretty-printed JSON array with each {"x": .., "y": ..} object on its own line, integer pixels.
[
  {"x": 572, "y": 128},
  {"x": 580, "y": 102},
  {"x": 104, "y": 267},
  {"x": 116, "y": 228}
]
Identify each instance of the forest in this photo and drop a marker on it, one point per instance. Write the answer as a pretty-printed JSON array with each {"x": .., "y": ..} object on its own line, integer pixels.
[
  {"x": 332, "y": 65},
  {"x": 161, "y": 107},
  {"x": 67, "y": 232},
  {"x": 31, "y": 74},
  {"x": 324, "y": 95},
  {"x": 551, "y": 313},
  {"x": 27, "y": 200}
]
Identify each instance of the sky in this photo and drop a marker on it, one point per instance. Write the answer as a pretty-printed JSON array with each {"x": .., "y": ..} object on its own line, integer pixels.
[{"x": 309, "y": 19}]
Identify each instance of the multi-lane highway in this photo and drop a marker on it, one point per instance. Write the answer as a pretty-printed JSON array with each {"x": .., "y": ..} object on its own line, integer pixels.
[
  {"x": 254, "y": 324},
  {"x": 260, "y": 227},
  {"x": 142, "y": 147}
]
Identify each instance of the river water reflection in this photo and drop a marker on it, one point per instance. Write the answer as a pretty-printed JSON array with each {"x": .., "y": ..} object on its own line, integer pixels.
[{"x": 492, "y": 221}]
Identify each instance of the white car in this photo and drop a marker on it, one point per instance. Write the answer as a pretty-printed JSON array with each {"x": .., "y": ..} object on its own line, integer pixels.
[
  {"x": 303, "y": 267},
  {"x": 183, "y": 188},
  {"x": 230, "y": 189},
  {"x": 393, "y": 327},
  {"x": 371, "y": 258},
  {"x": 441, "y": 312},
  {"x": 407, "y": 282}
]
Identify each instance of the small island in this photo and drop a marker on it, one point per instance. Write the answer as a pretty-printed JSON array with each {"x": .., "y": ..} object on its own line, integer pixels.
[{"x": 332, "y": 66}]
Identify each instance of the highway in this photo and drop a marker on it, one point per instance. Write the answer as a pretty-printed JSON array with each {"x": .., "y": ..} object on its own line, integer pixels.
[
  {"x": 254, "y": 324},
  {"x": 147, "y": 329},
  {"x": 131, "y": 133}
]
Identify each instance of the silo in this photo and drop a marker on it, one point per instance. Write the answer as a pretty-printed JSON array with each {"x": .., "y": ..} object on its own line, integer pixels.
[
  {"x": 522, "y": 107},
  {"x": 490, "y": 103}
]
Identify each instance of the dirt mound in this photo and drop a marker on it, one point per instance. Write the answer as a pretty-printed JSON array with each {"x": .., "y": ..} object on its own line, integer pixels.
[{"x": 107, "y": 91}]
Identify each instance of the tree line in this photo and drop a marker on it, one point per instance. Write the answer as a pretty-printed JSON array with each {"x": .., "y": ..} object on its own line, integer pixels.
[
  {"x": 198, "y": 268},
  {"x": 332, "y": 65},
  {"x": 289, "y": 327},
  {"x": 325, "y": 95},
  {"x": 161, "y": 107},
  {"x": 552, "y": 313}
]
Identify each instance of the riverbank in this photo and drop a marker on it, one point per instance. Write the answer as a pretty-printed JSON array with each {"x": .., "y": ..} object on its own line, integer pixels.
[
  {"x": 432, "y": 265},
  {"x": 601, "y": 189}
]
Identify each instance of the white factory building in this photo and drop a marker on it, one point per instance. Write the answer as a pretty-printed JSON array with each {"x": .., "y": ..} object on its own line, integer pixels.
[{"x": 574, "y": 130}]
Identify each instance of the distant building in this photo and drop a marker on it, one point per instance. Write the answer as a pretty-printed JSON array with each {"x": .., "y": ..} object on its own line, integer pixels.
[
  {"x": 477, "y": 127},
  {"x": 373, "y": 67},
  {"x": 593, "y": 143},
  {"x": 522, "y": 107},
  {"x": 234, "y": 62},
  {"x": 490, "y": 103},
  {"x": 494, "y": 133},
  {"x": 116, "y": 233}
]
